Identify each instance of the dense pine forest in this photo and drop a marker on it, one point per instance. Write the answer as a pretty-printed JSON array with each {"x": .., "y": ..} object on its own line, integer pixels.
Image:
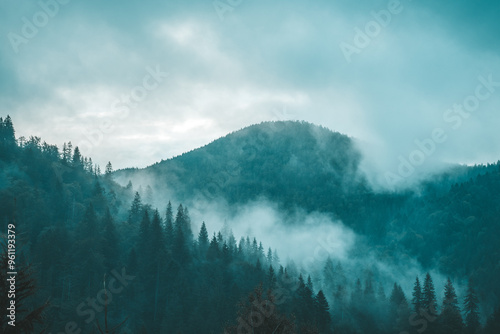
[{"x": 95, "y": 256}]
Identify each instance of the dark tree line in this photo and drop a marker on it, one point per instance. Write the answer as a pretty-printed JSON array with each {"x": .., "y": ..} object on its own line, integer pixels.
[{"x": 82, "y": 232}]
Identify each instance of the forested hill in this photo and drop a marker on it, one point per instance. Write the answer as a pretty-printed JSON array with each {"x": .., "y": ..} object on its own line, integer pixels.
[
  {"x": 262, "y": 160},
  {"x": 77, "y": 229},
  {"x": 294, "y": 164},
  {"x": 449, "y": 223}
]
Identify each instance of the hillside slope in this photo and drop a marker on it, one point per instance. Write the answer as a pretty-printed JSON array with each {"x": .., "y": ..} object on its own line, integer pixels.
[{"x": 294, "y": 164}]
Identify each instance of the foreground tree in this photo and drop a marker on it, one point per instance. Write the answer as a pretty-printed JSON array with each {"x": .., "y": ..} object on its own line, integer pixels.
[
  {"x": 471, "y": 311},
  {"x": 28, "y": 318},
  {"x": 259, "y": 315},
  {"x": 450, "y": 319}
]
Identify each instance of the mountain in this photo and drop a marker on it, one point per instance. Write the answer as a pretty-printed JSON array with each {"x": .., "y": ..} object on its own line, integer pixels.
[
  {"x": 76, "y": 229},
  {"x": 294, "y": 164},
  {"x": 449, "y": 223}
]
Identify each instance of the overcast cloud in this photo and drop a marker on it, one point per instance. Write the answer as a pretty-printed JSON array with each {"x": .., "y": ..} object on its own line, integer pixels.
[{"x": 264, "y": 60}]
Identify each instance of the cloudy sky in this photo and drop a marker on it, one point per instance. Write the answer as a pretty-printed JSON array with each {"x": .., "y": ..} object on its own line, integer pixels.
[{"x": 135, "y": 82}]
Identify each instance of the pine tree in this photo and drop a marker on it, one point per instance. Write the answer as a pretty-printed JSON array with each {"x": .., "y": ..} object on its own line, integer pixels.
[
  {"x": 108, "y": 170},
  {"x": 157, "y": 237},
  {"x": 169, "y": 226},
  {"x": 135, "y": 210},
  {"x": 417, "y": 296},
  {"x": 399, "y": 310},
  {"x": 322, "y": 311},
  {"x": 8, "y": 134},
  {"x": 213, "y": 249},
  {"x": 276, "y": 258},
  {"x": 271, "y": 278},
  {"x": 188, "y": 232},
  {"x": 180, "y": 248},
  {"x": 269, "y": 256},
  {"x": 429, "y": 303},
  {"x": 144, "y": 243},
  {"x": 272, "y": 320},
  {"x": 28, "y": 318},
  {"x": 77, "y": 158},
  {"x": 471, "y": 311},
  {"x": 450, "y": 319},
  {"x": 66, "y": 153},
  {"x": 203, "y": 241}
]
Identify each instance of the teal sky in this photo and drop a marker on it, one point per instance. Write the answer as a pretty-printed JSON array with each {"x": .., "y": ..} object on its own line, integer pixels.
[{"x": 251, "y": 61}]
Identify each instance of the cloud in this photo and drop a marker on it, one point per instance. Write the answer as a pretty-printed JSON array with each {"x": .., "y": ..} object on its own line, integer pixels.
[{"x": 228, "y": 74}]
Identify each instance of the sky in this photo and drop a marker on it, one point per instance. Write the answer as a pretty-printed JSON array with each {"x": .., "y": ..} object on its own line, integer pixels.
[{"x": 134, "y": 82}]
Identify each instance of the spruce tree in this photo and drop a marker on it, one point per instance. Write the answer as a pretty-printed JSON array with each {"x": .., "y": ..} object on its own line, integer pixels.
[
  {"x": 169, "y": 226},
  {"x": 429, "y": 303},
  {"x": 417, "y": 296},
  {"x": 323, "y": 312},
  {"x": 108, "y": 170},
  {"x": 8, "y": 132},
  {"x": 28, "y": 317},
  {"x": 450, "y": 319},
  {"x": 77, "y": 158},
  {"x": 134, "y": 214},
  {"x": 203, "y": 241},
  {"x": 471, "y": 311},
  {"x": 143, "y": 243},
  {"x": 271, "y": 278}
]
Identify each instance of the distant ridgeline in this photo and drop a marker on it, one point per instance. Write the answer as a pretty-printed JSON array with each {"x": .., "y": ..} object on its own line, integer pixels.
[{"x": 93, "y": 255}]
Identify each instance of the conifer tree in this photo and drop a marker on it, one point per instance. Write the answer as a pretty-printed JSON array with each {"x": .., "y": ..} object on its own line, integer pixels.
[
  {"x": 417, "y": 296},
  {"x": 28, "y": 317},
  {"x": 203, "y": 241},
  {"x": 144, "y": 244},
  {"x": 134, "y": 214},
  {"x": 450, "y": 318},
  {"x": 429, "y": 303},
  {"x": 8, "y": 134},
  {"x": 471, "y": 311},
  {"x": 323, "y": 312},
  {"x": 169, "y": 225},
  {"x": 77, "y": 158},
  {"x": 271, "y": 278},
  {"x": 108, "y": 170}
]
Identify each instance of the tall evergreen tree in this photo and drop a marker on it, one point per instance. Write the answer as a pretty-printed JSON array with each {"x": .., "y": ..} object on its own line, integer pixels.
[
  {"x": 450, "y": 319},
  {"x": 8, "y": 135},
  {"x": 400, "y": 311},
  {"x": 157, "y": 237},
  {"x": 144, "y": 244},
  {"x": 108, "y": 170},
  {"x": 271, "y": 278},
  {"x": 471, "y": 311},
  {"x": 28, "y": 317},
  {"x": 180, "y": 246},
  {"x": 203, "y": 241},
  {"x": 169, "y": 225},
  {"x": 323, "y": 312},
  {"x": 429, "y": 303},
  {"x": 134, "y": 214},
  {"x": 417, "y": 296},
  {"x": 77, "y": 158}
]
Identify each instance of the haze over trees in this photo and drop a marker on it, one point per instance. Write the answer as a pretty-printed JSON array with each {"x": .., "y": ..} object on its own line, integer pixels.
[{"x": 164, "y": 276}]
